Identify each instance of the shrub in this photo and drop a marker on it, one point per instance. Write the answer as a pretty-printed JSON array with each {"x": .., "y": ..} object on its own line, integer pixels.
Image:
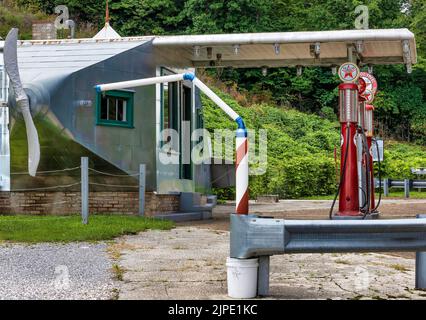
[{"x": 301, "y": 150}]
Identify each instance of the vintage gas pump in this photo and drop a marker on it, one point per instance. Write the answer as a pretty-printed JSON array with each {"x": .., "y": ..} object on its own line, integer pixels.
[
  {"x": 348, "y": 107},
  {"x": 369, "y": 110},
  {"x": 363, "y": 157},
  {"x": 368, "y": 92},
  {"x": 356, "y": 187}
]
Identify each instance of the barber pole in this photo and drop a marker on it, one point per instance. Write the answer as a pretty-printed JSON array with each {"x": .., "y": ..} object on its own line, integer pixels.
[{"x": 242, "y": 172}]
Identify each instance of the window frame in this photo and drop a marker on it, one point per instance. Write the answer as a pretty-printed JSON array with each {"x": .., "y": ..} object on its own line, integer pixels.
[
  {"x": 127, "y": 95},
  {"x": 174, "y": 120}
]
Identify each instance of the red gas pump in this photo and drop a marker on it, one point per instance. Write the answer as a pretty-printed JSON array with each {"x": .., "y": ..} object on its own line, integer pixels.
[
  {"x": 369, "y": 126},
  {"x": 348, "y": 194},
  {"x": 356, "y": 188},
  {"x": 368, "y": 93},
  {"x": 363, "y": 153}
]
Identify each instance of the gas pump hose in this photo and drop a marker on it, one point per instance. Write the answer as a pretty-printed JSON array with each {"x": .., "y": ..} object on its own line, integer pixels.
[
  {"x": 367, "y": 170},
  {"x": 379, "y": 174}
]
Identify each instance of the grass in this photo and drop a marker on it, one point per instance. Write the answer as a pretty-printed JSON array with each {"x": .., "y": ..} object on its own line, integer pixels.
[
  {"x": 118, "y": 272},
  {"x": 340, "y": 261},
  {"x": 30, "y": 229},
  {"x": 394, "y": 194},
  {"x": 399, "y": 267}
]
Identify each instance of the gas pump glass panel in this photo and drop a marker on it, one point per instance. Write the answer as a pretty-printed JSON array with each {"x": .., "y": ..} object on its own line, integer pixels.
[
  {"x": 348, "y": 102},
  {"x": 380, "y": 156}
]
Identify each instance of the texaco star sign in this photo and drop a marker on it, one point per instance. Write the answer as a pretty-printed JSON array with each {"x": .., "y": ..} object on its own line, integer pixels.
[{"x": 349, "y": 72}]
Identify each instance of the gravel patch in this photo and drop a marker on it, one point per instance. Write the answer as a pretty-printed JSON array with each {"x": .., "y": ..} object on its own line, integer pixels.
[{"x": 55, "y": 272}]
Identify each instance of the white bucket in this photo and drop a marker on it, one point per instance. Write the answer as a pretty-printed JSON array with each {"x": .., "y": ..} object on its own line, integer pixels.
[{"x": 242, "y": 278}]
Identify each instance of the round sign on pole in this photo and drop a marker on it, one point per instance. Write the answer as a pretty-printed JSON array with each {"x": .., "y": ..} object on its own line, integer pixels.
[
  {"x": 349, "y": 72},
  {"x": 362, "y": 86},
  {"x": 370, "y": 81},
  {"x": 368, "y": 95}
]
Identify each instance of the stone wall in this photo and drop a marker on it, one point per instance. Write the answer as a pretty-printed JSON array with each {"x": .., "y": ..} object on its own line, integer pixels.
[
  {"x": 44, "y": 31},
  {"x": 63, "y": 203}
]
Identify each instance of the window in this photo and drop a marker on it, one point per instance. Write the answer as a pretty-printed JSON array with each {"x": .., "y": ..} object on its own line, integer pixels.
[{"x": 115, "y": 108}]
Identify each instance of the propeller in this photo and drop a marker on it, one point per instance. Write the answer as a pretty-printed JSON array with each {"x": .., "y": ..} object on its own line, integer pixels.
[{"x": 10, "y": 58}]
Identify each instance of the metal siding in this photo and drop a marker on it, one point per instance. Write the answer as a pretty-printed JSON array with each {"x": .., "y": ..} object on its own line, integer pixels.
[{"x": 55, "y": 90}]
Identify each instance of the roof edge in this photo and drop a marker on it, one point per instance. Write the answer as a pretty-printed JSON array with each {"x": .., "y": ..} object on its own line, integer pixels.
[{"x": 286, "y": 37}]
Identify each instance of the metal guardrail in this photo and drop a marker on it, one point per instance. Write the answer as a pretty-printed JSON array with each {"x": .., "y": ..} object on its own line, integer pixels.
[
  {"x": 406, "y": 184},
  {"x": 253, "y": 236}
]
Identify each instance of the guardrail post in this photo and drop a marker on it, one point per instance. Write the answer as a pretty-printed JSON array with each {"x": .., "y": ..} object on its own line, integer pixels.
[
  {"x": 263, "y": 276},
  {"x": 421, "y": 265},
  {"x": 386, "y": 187},
  {"x": 85, "y": 189},
  {"x": 142, "y": 188},
  {"x": 406, "y": 188}
]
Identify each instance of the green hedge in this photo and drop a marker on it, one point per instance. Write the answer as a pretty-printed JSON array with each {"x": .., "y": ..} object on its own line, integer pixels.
[
  {"x": 301, "y": 150},
  {"x": 400, "y": 158}
]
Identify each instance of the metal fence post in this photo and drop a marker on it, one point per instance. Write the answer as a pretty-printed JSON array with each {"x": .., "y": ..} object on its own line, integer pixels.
[
  {"x": 142, "y": 187},
  {"x": 421, "y": 265},
  {"x": 263, "y": 276},
  {"x": 85, "y": 189},
  {"x": 406, "y": 188},
  {"x": 386, "y": 187}
]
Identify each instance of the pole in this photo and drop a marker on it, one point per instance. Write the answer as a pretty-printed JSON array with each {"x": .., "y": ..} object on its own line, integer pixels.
[
  {"x": 386, "y": 187},
  {"x": 85, "y": 190},
  {"x": 142, "y": 188},
  {"x": 242, "y": 170},
  {"x": 263, "y": 276},
  {"x": 406, "y": 188},
  {"x": 421, "y": 265}
]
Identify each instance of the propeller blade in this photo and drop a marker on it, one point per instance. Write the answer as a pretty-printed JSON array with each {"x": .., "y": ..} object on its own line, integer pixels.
[{"x": 10, "y": 58}]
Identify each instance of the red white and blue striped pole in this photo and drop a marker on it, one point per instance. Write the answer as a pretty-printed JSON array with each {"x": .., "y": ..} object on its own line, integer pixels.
[
  {"x": 242, "y": 167},
  {"x": 242, "y": 172}
]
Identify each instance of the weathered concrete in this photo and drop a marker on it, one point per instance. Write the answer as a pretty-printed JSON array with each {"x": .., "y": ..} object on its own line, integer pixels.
[{"x": 189, "y": 263}]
